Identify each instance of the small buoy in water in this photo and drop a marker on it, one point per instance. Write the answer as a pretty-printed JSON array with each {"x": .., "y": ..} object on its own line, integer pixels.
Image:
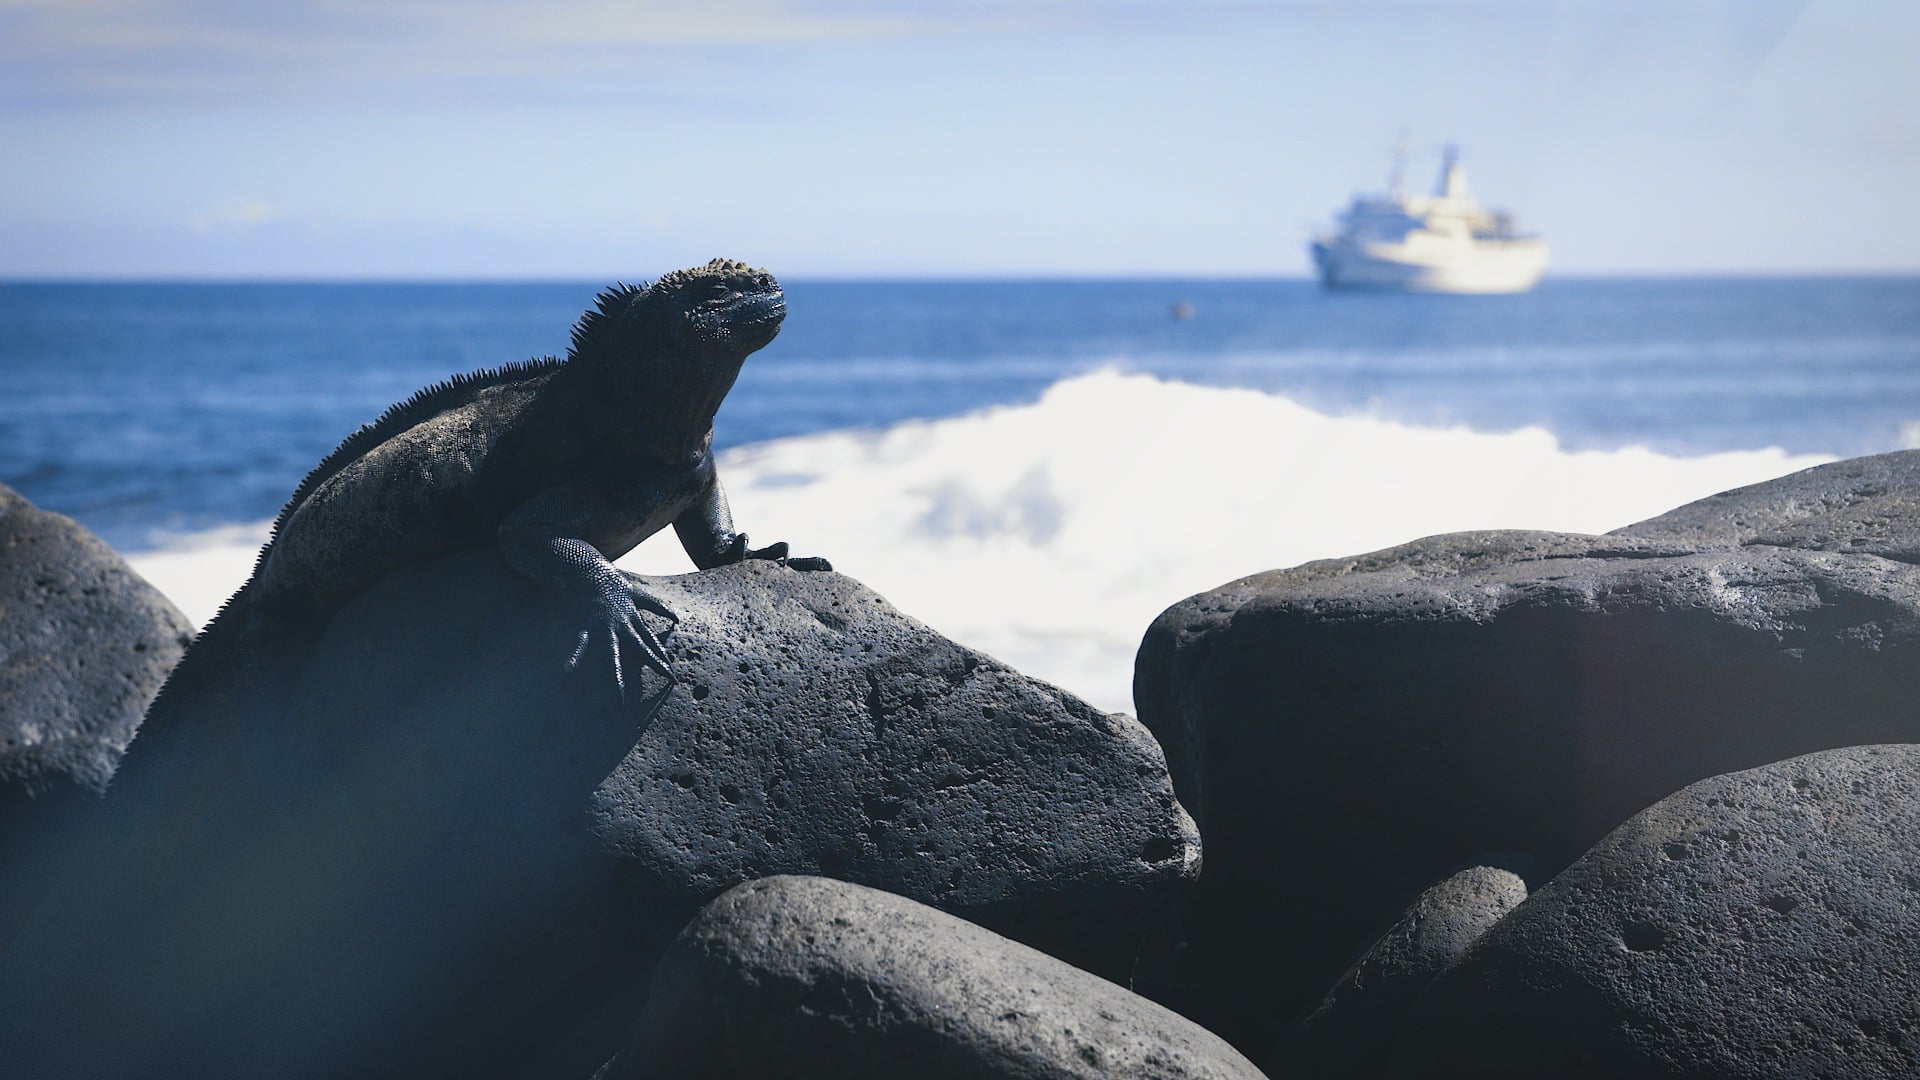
[{"x": 1182, "y": 310}]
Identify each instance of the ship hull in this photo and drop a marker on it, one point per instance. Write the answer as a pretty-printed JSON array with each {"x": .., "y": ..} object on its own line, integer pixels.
[{"x": 1481, "y": 268}]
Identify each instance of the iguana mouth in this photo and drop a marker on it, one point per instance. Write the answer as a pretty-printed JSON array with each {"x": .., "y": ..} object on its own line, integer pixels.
[
  {"x": 752, "y": 319},
  {"x": 758, "y": 307}
]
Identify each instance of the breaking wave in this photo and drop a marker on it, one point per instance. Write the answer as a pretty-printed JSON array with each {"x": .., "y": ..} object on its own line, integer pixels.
[{"x": 1051, "y": 534}]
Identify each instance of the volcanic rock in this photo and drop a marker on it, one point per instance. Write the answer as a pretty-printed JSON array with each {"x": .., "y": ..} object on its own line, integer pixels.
[
  {"x": 804, "y": 976},
  {"x": 84, "y": 645},
  {"x": 1366, "y": 724},
  {"x": 1357, "y": 1027},
  {"x": 1862, "y": 506},
  {"x": 446, "y": 852},
  {"x": 1761, "y": 924}
]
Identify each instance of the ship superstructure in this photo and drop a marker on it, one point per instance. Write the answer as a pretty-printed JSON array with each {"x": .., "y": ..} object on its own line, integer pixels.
[{"x": 1443, "y": 242}]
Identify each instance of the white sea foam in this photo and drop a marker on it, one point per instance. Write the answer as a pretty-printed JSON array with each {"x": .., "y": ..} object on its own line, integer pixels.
[
  {"x": 198, "y": 571},
  {"x": 1051, "y": 534}
]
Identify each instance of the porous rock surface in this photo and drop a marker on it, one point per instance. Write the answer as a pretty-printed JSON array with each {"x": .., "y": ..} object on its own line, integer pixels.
[
  {"x": 1760, "y": 924},
  {"x": 1356, "y": 1028},
  {"x": 84, "y": 645},
  {"x": 1862, "y": 506},
  {"x": 809, "y": 977},
  {"x": 447, "y": 854},
  {"x": 1365, "y": 724}
]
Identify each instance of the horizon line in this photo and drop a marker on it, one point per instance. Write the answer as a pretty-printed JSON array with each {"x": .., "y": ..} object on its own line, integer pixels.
[{"x": 1007, "y": 277}]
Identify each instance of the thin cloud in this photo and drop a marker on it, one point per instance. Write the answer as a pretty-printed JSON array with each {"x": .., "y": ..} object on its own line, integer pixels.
[
  {"x": 159, "y": 52},
  {"x": 250, "y": 214},
  {"x": 115, "y": 51}
]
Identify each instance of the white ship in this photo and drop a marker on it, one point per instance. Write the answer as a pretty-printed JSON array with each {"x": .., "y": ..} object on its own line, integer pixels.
[{"x": 1445, "y": 242}]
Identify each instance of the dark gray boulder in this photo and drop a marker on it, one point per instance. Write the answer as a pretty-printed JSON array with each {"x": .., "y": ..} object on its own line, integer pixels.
[
  {"x": 1349, "y": 730},
  {"x": 84, "y": 645},
  {"x": 1760, "y": 924},
  {"x": 1862, "y": 506},
  {"x": 808, "y": 977},
  {"x": 448, "y": 854},
  {"x": 1356, "y": 1029}
]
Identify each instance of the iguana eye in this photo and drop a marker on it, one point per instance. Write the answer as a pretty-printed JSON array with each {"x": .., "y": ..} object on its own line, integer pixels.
[{"x": 719, "y": 291}]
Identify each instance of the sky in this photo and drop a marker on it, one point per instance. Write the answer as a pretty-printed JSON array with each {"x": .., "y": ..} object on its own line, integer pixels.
[{"x": 589, "y": 139}]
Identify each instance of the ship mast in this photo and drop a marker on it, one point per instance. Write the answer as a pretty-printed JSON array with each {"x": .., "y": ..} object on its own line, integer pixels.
[
  {"x": 1397, "y": 179},
  {"x": 1453, "y": 179}
]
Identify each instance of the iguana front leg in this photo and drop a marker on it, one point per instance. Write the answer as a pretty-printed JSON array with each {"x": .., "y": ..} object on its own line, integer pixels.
[
  {"x": 561, "y": 538},
  {"x": 706, "y": 532}
]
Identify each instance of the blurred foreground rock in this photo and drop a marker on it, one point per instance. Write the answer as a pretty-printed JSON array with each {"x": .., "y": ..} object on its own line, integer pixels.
[
  {"x": 1348, "y": 731},
  {"x": 1762, "y": 924},
  {"x": 808, "y": 977},
  {"x": 84, "y": 645},
  {"x": 441, "y": 853}
]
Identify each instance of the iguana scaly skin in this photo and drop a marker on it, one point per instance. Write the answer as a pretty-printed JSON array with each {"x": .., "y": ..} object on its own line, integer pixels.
[{"x": 564, "y": 465}]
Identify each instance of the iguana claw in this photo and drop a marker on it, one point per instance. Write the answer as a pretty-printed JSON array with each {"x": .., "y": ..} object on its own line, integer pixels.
[
  {"x": 619, "y": 620},
  {"x": 777, "y": 552}
]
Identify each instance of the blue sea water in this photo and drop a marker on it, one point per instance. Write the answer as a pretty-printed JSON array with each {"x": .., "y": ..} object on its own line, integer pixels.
[{"x": 146, "y": 410}]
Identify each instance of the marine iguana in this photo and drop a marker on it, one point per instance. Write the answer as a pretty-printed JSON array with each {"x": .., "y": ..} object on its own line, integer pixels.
[{"x": 565, "y": 464}]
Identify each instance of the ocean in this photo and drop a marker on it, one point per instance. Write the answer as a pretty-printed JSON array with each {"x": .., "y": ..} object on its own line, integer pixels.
[{"x": 1036, "y": 468}]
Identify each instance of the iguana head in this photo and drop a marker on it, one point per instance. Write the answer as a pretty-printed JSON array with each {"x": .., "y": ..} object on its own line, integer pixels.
[
  {"x": 705, "y": 316},
  {"x": 673, "y": 348},
  {"x": 723, "y": 307}
]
